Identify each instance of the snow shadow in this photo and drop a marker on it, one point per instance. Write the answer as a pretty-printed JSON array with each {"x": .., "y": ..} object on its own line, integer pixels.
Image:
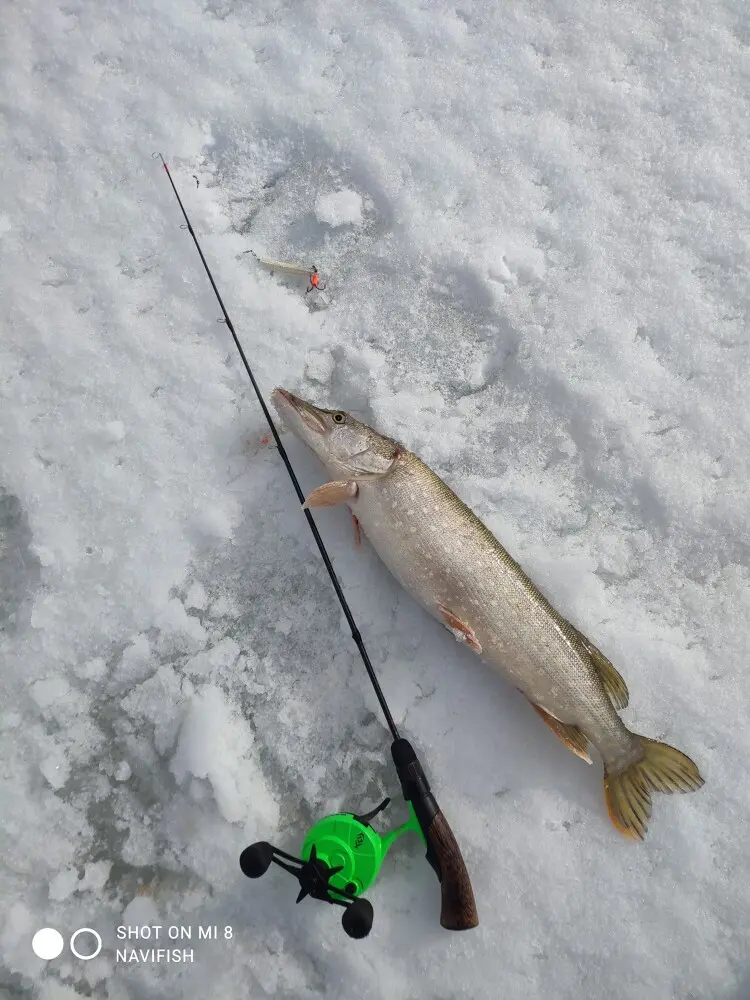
[{"x": 20, "y": 568}]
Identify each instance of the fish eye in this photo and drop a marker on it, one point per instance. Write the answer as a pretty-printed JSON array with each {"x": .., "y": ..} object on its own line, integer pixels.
[{"x": 339, "y": 418}]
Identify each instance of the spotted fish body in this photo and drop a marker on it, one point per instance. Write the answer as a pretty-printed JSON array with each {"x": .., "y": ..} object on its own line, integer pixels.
[
  {"x": 443, "y": 555},
  {"x": 440, "y": 551}
]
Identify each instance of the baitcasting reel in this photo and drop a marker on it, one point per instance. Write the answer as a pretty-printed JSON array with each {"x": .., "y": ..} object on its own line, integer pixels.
[{"x": 341, "y": 858}]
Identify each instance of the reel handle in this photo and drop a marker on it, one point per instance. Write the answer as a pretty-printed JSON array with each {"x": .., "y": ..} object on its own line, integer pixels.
[
  {"x": 458, "y": 911},
  {"x": 314, "y": 876}
]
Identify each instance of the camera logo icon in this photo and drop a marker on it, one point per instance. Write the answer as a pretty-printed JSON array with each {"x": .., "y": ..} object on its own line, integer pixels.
[{"x": 48, "y": 943}]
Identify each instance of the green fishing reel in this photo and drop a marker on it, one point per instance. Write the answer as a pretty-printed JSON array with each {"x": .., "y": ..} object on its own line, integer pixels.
[{"x": 340, "y": 859}]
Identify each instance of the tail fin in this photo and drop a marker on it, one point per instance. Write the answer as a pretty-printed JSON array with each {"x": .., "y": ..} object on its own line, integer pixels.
[{"x": 628, "y": 793}]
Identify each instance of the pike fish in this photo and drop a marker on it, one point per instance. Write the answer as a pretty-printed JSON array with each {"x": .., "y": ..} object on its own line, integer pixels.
[{"x": 447, "y": 559}]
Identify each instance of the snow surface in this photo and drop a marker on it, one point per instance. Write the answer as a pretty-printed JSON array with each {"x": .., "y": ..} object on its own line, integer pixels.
[
  {"x": 538, "y": 281},
  {"x": 339, "y": 208}
]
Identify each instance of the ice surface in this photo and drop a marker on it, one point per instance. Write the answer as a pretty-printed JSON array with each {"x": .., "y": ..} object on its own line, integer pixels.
[{"x": 534, "y": 223}]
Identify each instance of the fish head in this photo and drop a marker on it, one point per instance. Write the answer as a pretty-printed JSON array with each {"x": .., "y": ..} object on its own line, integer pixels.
[{"x": 347, "y": 447}]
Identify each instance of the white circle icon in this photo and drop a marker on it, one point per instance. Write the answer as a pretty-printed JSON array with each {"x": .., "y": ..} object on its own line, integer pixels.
[
  {"x": 47, "y": 943},
  {"x": 85, "y": 930}
]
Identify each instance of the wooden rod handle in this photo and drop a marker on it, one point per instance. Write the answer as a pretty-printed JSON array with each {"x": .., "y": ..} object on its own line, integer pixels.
[{"x": 458, "y": 911}]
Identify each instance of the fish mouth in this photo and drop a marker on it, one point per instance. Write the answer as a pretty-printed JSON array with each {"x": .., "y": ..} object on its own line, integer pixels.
[{"x": 286, "y": 402}]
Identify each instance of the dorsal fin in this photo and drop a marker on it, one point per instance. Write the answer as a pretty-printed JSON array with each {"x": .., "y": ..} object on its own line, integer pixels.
[{"x": 614, "y": 685}]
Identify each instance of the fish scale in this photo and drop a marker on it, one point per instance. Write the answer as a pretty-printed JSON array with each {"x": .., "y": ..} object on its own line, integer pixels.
[{"x": 450, "y": 562}]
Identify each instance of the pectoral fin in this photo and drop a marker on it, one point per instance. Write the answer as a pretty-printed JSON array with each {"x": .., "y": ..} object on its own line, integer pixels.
[
  {"x": 455, "y": 623},
  {"x": 332, "y": 494},
  {"x": 357, "y": 532},
  {"x": 571, "y": 736}
]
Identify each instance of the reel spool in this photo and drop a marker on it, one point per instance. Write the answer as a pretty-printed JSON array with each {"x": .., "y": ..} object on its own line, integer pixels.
[{"x": 341, "y": 859}]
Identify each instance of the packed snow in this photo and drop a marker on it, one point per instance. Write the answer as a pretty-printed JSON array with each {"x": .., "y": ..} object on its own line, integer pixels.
[
  {"x": 339, "y": 208},
  {"x": 533, "y": 219}
]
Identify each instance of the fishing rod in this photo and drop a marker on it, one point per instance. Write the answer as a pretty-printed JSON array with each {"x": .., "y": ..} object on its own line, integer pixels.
[{"x": 341, "y": 854}]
